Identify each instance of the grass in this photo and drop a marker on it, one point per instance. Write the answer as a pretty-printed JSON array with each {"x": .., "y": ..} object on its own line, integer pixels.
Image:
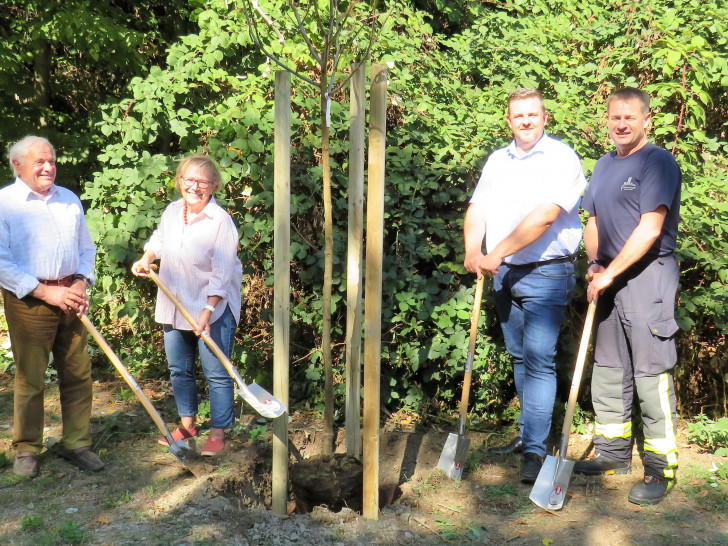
[
  {"x": 459, "y": 530},
  {"x": 505, "y": 490},
  {"x": 118, "y": 500},
  {"x": 489, "y": 505},
  {"x": 258, "y": 433},
  {"x": 4, "y": 461},
  {"x": 32, "y": 523},
  {"x": 158, "y": 486},
  {"x": 432, "y": 481},
  {"x": 72, "y": 533},
  {"x": 474, "y": 460},
  {"x": 703, "y": 486}
]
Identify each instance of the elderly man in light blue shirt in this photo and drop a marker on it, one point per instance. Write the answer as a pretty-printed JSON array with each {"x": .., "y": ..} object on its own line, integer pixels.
[
  {"x": 46, "y": 260},
  {"x": 525, "y": 209}
]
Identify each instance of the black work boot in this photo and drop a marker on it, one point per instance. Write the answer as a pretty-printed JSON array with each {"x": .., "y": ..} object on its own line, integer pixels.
[
  {"x": 531, "y": 467},
  {"x": 650, "y": 491},
  {"x": 602, "y": 466},
  {"x": 516, "y": 446}
]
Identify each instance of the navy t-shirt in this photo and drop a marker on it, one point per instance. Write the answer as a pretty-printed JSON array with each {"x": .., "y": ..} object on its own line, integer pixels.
[{"x": 621, "y": 189}]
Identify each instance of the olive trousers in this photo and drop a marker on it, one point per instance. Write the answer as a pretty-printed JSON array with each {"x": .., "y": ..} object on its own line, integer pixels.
[{"x": 38, "y": 330}]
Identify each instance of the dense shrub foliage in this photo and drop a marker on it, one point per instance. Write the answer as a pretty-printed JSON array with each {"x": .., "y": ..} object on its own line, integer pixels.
[
  {"x": 60, "y": 60},
  {"x": 453, "y": 64}
]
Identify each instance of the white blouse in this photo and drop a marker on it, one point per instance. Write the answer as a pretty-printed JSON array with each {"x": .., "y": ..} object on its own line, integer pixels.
[{"x": 197, "y": 260}]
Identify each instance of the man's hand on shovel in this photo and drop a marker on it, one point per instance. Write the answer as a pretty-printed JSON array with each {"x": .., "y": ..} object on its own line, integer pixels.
[{"x": 599, "y": 281}]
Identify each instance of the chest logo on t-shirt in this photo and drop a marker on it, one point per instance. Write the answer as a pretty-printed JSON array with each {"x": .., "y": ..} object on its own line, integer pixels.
[{"x": 628, "y": 185}]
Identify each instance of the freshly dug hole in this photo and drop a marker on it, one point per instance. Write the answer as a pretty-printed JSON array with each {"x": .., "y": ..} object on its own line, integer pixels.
[{"x": 336, "y": 483}]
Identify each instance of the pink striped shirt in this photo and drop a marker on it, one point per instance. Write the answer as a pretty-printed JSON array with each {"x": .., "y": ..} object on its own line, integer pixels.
[{"x": 197, "y": 260}]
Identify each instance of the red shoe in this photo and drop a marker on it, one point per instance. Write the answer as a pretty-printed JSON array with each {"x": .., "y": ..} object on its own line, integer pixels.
[
  {"x": 213, "y": 446},
  {"x": 180, "y": 433}
]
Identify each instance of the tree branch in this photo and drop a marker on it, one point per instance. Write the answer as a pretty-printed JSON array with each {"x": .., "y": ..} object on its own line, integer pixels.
[
  {"x": 255, "y": 37},
  {"x": 302, "y": 30}
]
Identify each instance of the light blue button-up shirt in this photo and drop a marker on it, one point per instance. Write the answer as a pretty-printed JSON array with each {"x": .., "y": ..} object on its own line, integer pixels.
[{"x": 42, "y": 237}]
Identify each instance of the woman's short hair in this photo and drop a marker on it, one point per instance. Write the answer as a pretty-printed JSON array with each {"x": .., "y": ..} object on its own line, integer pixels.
[{"x": 201, "y": 161}]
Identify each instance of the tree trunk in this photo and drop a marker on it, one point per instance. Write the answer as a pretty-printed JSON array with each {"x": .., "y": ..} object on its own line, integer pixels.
[
  {"x": 42, "y": 77},
  {"x": 328, "y": 433}
]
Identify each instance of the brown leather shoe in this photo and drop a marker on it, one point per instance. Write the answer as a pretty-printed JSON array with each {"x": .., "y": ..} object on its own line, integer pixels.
[
  {"x": 83, "y": 458},
  {"x": 26, "y": 464}
]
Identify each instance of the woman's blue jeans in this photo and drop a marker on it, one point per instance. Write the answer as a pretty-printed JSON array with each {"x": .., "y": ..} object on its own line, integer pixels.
[
  {"x": 182, "y": 348},
  {"x": 531, "y": 303}
]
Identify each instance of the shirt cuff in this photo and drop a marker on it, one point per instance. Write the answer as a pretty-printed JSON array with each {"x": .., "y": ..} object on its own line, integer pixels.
[{"x": 26, "y": 286}]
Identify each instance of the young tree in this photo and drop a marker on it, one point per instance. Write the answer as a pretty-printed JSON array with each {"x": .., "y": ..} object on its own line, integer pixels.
[{"x": 336, "y": 34}]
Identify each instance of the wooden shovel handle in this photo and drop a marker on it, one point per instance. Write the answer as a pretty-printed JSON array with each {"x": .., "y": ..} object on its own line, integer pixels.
[
  {"x": 578, "y": 370},
  {"x": 208, "y": 340},
  {"x": 474, "y": 317},
  {"x": 138, "y": 392}
]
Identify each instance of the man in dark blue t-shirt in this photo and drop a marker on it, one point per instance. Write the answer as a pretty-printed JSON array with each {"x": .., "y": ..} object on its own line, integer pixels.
[{"x": 634, "y": 204}]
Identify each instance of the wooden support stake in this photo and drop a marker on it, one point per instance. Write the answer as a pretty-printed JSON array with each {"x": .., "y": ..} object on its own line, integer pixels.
[
  {"x": 281, "y": 284},
  {"x": 373, "y": 288},
  {"x": 353, "y": 264}
]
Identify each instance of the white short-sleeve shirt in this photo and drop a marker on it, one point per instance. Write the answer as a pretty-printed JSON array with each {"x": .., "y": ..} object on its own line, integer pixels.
[{"x": 511, "y": 186}]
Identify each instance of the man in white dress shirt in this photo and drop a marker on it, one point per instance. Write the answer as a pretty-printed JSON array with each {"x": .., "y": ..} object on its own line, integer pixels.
[
  {"x": 526, "y": 210},
  {"x": 46, "y": 261}
]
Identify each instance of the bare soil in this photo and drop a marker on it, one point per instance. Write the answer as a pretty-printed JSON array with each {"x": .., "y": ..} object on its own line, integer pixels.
[{"x": 145, "y": 495}]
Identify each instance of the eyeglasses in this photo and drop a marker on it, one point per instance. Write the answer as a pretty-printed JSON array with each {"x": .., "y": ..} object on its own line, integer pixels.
[{"x": 202, "y": 184}]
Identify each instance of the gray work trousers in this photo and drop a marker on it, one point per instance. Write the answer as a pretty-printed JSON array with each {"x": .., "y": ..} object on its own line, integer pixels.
[{"x": 635, "y": 351}]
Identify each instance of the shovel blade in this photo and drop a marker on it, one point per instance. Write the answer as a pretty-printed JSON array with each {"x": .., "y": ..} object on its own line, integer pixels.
[
  {"x": 453, "y": 456},
  {"x": 180, "y": 448},
  {"x": 549, "y": 490},
  {"x": 261, "y": 400}
]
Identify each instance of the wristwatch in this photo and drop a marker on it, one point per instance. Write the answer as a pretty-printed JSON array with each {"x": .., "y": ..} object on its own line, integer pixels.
[
  {"x": 209, "y": 308},
  {"x": 594, "y": 262},
  {"x": 79, "y": 277}
]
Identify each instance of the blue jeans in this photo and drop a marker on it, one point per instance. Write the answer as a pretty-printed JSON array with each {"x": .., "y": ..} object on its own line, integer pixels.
[
  {"x": 182, "y": 348},
  {"x": 531, "y": 303}
]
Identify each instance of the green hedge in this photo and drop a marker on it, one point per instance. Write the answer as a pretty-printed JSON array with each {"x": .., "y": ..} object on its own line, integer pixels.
[{"x": 452, "y": 69}]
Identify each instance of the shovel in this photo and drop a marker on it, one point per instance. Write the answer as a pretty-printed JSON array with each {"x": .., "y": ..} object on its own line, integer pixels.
[
  {"x": 452, "y": 458},
  {"x": 260, "y": 399},
  {"x": 180, "y": 448},
  {"x": 549, "y": 490}
]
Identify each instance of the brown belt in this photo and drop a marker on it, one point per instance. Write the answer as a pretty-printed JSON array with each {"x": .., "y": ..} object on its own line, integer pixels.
[{"x": 65, "y": 281}]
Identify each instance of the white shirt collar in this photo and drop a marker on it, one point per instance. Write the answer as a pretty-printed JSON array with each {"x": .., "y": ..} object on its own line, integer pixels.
[
  {"x": 537, "y": 148},
  {"x": 27, "y": 190}
]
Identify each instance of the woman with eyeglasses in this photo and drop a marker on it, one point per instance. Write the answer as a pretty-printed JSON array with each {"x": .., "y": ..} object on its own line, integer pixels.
[{"x": 197, "y": 245}]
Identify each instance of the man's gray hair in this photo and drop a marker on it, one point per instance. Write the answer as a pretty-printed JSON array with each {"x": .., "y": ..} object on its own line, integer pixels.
[{"x": 19, "y": 150}]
